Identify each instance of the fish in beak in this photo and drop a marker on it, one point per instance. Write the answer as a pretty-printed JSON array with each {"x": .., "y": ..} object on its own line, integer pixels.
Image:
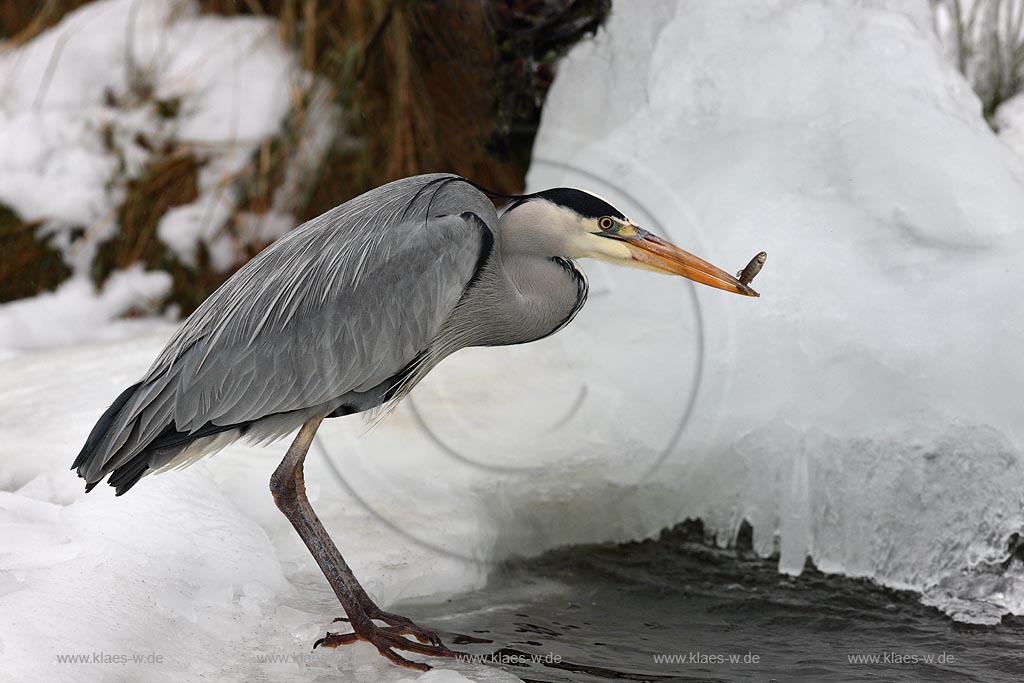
[{"x": 653, "y": 253}]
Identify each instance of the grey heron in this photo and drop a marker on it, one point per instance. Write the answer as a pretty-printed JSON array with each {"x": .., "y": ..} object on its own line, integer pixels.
[{"x": 347, "y": 313}]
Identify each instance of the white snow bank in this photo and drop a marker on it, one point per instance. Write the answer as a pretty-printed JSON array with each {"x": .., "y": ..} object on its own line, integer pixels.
[
  {"x": 866, "y": 410},
  {"x": 1009, "y": 120},
  {"x": 77, "y": 313}
]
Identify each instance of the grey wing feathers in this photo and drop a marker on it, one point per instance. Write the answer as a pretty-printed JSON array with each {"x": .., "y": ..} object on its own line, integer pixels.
[{"x": 338, "y": 305}]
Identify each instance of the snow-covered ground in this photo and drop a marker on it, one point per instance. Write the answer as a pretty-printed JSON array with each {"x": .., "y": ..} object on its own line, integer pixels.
[
  {"x": 864, "y": 411},
  {"x": 200, "y": 568}
]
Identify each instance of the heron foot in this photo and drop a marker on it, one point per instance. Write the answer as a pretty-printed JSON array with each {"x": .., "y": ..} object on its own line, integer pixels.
[
  {"x": 402, "y": 626},
  {"x": 389, "y": 638}
]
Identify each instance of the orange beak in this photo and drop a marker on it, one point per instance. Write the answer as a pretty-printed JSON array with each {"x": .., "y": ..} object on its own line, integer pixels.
[{"x": 655, "y": 253}]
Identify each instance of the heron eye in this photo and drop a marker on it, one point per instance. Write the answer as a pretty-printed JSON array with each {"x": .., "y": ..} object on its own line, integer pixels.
[{"x": 605, "y": 223}]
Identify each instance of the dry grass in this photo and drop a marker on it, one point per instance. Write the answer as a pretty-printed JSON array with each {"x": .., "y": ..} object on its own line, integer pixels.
[
  {"x": 28, "y": 264},
  {"x": 429, "y": 85},
  {"x": 169, "y": 180},
  {"x": 986, "y": 38},
  {"x": 22, "y": 20},
  {"x": 418, "y": 99}
]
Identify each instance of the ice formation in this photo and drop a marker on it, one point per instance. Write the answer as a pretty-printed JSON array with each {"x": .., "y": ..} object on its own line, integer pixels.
[{"x": 863, "y": 412}]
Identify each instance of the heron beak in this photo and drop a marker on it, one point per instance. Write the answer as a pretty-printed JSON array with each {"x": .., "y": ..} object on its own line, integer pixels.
[{"x": 655, "y": 253}]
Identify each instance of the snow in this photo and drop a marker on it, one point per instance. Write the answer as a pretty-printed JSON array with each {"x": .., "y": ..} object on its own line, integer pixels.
[
  {"x": 202, "y": 569},
  {"x": 231, "y": 73},
  {"x": 1009, "y": 120},
  {"x": 863, "y": 412},
  {"x": 85, "y": 103},
  {"x": 76, "y": 312}
]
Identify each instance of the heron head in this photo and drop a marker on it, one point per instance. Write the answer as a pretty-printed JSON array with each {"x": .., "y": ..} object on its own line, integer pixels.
[{"x": 576, "y": 224}]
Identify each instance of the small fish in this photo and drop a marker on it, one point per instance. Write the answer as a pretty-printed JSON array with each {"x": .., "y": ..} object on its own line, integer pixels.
[{"x": 752, "y": 269}]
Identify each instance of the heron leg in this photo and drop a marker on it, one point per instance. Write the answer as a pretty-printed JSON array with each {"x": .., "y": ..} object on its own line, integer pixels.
[{"x": 289, "y": 490}]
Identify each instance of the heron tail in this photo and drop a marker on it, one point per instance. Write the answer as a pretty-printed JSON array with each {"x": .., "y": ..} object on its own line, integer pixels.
[
  {"x": 91, "y": 461},
  {"x": 115, "y": 446}
]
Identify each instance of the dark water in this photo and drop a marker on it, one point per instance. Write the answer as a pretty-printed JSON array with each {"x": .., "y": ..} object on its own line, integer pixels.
[{"x": 606, "y": 613}]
